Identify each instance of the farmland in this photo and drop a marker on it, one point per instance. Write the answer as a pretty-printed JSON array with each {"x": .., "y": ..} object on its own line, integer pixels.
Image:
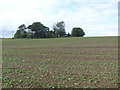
[{"x": 89, "y": 62}]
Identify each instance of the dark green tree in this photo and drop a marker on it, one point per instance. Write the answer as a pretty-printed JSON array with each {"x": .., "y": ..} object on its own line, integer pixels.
[
  {"x": 21, "y": 33},
  {"x": 22, "y": 27},
  {"x": 68, "y": 35},
  {"x": 78, "y": 32},
  {"x": 39, "y": 30},
  {"x": 51, "y": 34},
  {"x": 30, "y": 32},
  {"x": 17, "y": 34}
]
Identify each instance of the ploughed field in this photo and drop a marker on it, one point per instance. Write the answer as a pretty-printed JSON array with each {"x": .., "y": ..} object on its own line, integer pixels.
[{"x": 88, "y": 62}]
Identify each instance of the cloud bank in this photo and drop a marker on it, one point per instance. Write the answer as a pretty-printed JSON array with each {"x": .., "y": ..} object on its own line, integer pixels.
[{"x": 96, "y": 17}]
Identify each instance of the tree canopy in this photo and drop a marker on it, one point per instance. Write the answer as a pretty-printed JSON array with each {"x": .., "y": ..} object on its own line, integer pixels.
[
  {"x": 59, "y": 29},
  {"x": 78, "y": 32},
  {"x": 38, "y": 30},
  {"x": 21, "y": 33}
]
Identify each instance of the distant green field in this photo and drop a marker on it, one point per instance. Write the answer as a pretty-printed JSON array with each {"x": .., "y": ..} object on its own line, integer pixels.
[{"x": 60, "y": 63}]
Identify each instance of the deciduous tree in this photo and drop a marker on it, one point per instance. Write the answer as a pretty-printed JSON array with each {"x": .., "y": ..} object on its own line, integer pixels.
[
  {"x": 78, "y": 32},
  {"x": 59, "y": 29},
  {"x": 21, "y": 33}
]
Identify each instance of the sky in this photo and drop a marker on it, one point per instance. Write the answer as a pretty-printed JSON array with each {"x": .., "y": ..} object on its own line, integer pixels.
[{"x": 95, "y": 17}]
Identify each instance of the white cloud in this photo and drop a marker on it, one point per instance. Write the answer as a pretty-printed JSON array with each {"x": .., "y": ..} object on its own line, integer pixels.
[
  {"x": 91, "y": 15},
  {"x": 97, "y": 0}
]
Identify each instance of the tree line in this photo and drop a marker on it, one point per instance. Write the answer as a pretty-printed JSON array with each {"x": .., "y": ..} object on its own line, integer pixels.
[{"x": 38, "y": 30}]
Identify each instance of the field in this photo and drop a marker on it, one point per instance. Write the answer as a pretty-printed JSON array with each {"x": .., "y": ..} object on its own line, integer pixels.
[{"x": 89, "y": 62}]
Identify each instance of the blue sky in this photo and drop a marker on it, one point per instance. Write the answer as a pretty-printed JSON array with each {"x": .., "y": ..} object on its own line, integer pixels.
[{"x": 96, "y": 17}]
